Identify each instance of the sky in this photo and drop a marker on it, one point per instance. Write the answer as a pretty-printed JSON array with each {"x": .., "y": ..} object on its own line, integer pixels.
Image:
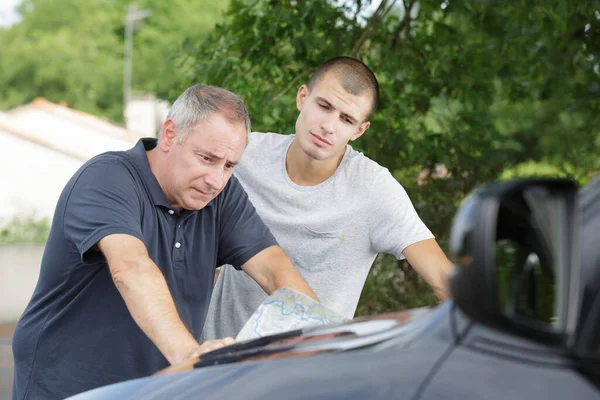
[{"x": 8, "y": 15}]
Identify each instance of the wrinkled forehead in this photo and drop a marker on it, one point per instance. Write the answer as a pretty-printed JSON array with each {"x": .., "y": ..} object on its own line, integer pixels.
[
  {"x": 233, "y": 116},
  {"x": 219, "y": 129}
]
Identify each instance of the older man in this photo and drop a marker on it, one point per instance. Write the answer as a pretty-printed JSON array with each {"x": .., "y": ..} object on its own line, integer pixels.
[{"x": 127, "y": 273}]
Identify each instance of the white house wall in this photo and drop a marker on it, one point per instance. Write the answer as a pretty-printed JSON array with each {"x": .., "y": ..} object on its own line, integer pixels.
[{"x": 32, "y": 177}]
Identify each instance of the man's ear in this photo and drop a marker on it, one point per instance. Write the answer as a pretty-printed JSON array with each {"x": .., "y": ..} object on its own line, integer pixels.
[
  {"x": 361, "y": 129},
  {"x": 301, "y": 96},
  {"x": 168, "y": 135}
]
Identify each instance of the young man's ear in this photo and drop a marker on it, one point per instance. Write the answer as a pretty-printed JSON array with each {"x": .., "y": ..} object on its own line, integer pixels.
[
  {"x": 301, "y": 96},
  {"x": 168, "y": 135},
  {"x": 361, "y": 129}
]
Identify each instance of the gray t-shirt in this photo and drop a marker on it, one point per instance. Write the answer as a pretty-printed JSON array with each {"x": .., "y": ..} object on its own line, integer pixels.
[{"x": 332, "y": 231}]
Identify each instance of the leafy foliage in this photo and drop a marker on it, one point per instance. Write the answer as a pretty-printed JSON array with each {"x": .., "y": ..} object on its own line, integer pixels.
[
  {"x": 24, "y": 230},
  {"x": 492, "y": 90},
  {"x": 473, "y": 84},
  {"x": 481, "y": 87},
  {"x": 72, "y": 51}
]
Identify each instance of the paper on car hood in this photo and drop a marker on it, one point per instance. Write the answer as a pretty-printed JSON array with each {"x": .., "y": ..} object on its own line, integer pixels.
[{"x": 286, "y": 310}]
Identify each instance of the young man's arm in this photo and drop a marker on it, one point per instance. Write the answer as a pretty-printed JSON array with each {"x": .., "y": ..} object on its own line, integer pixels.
[
  {"x": 429, "y": 260},
  {"x": 144, "y": 289},
  {"x": 272, "y": 269},
  {"x": 396, "y": 228}
]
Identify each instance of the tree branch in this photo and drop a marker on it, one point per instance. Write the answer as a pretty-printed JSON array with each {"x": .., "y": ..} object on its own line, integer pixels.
[
  {"x": 377, "y": 17},
  {"x": 289, "y": 86},
  {"x": 403, "y": 25}
]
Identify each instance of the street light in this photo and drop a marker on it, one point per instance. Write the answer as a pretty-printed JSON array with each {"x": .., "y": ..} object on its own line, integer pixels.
[{"x": 133, "y": 15}]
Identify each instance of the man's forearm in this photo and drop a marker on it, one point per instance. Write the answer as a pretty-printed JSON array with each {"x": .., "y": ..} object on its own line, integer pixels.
[
  {"x": 272, "y": 269},
  {"x": 289, "y": 277},
  {"x": 428, "y": 259},
  {"x": 149, "y": 301}
]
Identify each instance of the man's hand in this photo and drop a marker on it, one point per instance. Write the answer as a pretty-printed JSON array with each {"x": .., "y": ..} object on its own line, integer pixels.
[
  {"x": 205, "y": 347},
  {"x": 194, "y": 356},
  {"x": 429, "y": 260},
  {"x": 272, "y": 269}
]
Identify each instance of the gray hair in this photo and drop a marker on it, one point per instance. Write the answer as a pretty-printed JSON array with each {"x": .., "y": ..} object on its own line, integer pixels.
[{"x": 200, "y": 101}]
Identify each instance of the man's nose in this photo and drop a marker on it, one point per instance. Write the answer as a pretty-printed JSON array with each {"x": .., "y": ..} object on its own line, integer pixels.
[
  {"x": 328, "y": 124},
  {"x": 215, "y": 178}
]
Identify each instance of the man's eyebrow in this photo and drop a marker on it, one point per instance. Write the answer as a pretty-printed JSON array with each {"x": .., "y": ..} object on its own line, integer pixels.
[
  {"x": 344, "y": 115},
  {"x": 319, "y": 98},
  {"x": 216, "y": 157},
  {"x": 350, "y": 117}
]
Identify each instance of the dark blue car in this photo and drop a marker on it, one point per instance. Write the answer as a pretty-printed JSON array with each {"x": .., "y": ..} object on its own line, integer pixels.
[{"x": 524, "y": 322}]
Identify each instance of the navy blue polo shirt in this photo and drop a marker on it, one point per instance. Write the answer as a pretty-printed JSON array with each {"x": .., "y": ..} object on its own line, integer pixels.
[{"x": 76, "y": 333}]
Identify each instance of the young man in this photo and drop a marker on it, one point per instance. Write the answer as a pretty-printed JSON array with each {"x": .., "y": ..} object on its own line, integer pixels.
[
  {"x": 129, "y": 265},
  {"x": 330, "y": 208}
]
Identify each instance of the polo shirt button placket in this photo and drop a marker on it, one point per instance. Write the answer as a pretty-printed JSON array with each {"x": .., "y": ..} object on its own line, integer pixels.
[{"x": 178, "y": 255}]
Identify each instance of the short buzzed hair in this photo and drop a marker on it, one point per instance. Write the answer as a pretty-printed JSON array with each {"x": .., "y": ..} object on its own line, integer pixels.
[{"x": 354, "y": 76}]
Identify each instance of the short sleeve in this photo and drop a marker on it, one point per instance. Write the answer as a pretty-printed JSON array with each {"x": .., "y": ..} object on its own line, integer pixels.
[
  {"x": 394, "y": 223},
  {"x": 103, "y": 200},
  {"x": 243, "y": 234}
]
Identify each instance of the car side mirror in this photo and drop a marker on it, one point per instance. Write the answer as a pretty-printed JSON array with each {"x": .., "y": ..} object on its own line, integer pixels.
[
  {"x": 588, "y": 337},
  {"x": 513, "y": 244}
]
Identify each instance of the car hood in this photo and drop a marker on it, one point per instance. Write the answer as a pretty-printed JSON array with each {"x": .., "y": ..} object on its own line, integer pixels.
[
  {"x": 379, "y": 357},
  {"x": 372, "y": 332}
]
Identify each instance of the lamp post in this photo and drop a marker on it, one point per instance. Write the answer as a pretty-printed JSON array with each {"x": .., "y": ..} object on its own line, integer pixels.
[{"x": 132, "y": 16}]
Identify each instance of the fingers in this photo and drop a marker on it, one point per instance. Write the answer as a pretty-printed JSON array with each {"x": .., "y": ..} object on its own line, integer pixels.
[
  {"x": 211, "y": 345},
  {"x": 227, "y": 341},
  {"x": 207, "y": 346}
]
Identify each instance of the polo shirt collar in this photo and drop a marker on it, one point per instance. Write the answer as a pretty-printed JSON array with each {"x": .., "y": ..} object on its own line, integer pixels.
[{"x": 140, "y": 160}]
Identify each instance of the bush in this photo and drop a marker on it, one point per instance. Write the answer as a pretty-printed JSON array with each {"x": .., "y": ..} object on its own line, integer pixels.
[
  {"x": 25, "y": 230},
  {"x": 393, "y": 285}
]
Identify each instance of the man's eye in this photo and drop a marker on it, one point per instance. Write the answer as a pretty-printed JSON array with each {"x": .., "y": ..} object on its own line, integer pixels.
[
  {"x": 324, "y": 106},
  {"x": 205, "y": 158}
]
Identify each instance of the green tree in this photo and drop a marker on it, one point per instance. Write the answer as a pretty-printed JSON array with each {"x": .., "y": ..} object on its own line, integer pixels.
[
  {"x": 66, "y": 53},
  {"x": 476, "y": 85},
  {"x": 159, "y": 39},
  {"x": 69, "y": 50}
]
